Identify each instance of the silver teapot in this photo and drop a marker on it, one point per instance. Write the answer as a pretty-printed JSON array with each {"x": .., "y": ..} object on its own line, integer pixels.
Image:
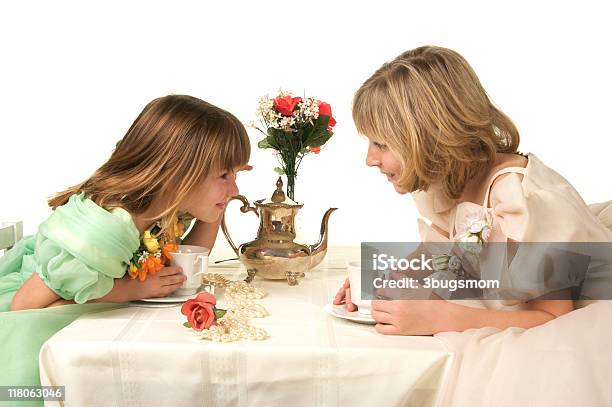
[{"x": 273, "y": 254}]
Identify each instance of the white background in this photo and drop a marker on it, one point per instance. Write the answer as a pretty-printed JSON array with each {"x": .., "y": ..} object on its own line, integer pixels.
[{"x": 74, "y": 75}]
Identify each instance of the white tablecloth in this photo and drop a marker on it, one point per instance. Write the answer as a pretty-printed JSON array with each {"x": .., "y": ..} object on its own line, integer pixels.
[{"x": 145, "y": 357}]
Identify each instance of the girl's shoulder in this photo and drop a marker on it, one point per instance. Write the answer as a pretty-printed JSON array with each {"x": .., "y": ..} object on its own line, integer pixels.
[
  {"x": 434, "y": 205},
  {"x": 529, "y": 200},
  {"x": 122, "y": 214},
  {"x": 536, "y": 203},
  {"x": 510, "y": 164}
]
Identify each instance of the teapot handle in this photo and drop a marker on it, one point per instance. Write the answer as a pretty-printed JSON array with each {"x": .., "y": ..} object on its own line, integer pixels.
[{"x": 246, "y": 207}]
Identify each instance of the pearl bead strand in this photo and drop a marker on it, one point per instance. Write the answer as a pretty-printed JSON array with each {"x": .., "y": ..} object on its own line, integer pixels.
[{"x": 241, "y": 303}]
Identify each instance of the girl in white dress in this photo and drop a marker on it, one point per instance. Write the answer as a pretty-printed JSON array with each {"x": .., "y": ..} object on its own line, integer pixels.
[{"x": 434, "y": 132}]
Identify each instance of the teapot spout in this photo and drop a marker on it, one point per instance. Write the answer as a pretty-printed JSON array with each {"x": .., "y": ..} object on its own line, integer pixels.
[{"x": 318, "y": 250}]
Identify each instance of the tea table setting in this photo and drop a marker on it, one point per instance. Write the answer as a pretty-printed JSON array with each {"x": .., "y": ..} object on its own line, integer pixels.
[
  {"x": 146, "y": 356},
  {"x": 260, "y": 329}
]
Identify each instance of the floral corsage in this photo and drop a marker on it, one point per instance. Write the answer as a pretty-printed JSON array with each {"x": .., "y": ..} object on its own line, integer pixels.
[
  {"x": 450, "y": 262},
  {"x": 476, "y": 231},
  {"x": 154, "y": 251},
  {"x": 471, "y": 236}
]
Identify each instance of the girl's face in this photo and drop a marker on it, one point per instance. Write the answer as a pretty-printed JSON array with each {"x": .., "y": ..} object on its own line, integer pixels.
[
  {"x": 379, "y": 155},
  {"x": 208, "y": 200}
]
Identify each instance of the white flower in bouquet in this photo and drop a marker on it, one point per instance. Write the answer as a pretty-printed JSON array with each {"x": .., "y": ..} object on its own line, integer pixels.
[
  {"x": 266, "y": 112},
  {"x": 308, "y": 109}
]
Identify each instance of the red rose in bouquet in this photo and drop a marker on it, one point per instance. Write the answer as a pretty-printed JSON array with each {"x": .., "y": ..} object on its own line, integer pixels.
[
  {"x": 325, "y": 108},
  {"x": 286, "y": 104}
]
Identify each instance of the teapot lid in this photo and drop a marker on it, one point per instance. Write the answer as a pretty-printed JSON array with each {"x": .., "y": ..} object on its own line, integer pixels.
[{"x": 278, "y": 197}]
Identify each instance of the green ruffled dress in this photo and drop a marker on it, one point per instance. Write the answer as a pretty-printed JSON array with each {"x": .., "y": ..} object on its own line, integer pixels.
[{"x": 78, "y": 252}]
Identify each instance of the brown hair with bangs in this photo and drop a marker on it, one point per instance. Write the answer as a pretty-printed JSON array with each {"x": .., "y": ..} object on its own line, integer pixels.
[
  {"x": 171, "y": 147},
  {"x": 429, "y": 108}
]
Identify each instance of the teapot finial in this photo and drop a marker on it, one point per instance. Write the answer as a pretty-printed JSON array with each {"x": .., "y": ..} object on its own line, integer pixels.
[{"x": 278, "y": 196}]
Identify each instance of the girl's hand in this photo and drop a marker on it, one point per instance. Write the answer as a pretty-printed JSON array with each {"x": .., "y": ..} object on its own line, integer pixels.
[
  {"x": 344, "y": 296},
  {"x": 410, "y": 317},
  {"x": 160, "y": 284}
]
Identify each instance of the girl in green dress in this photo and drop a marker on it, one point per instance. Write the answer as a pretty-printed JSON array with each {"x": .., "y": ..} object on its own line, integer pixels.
[{"x": 180, "y": 155}]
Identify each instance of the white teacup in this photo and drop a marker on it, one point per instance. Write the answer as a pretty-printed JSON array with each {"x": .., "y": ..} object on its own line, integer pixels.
[
  {"x": 354, "y": 274},
  {"x": 194, "y": 262}
]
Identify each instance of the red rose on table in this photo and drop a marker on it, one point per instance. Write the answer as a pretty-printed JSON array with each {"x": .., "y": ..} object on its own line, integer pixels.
[
  {"x": 200, "y": 311},
  {"x": 325, "y": 108},
  {"x": 286, "y": 104}
]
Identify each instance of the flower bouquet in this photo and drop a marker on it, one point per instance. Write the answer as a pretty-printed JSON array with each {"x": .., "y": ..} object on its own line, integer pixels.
[{"x": 293, "y": 127}]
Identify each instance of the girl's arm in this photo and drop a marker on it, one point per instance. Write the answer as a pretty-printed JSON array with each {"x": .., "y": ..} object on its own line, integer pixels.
[
  {"x": 427, "y": 317},
  {"x": 537, "y": 313},
  {"x": 203, "y": 234},
  {"x": 34, "y": 293}
]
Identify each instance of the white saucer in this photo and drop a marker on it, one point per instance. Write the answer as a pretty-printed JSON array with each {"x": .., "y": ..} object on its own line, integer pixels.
[{"x": 340, "y": 311}]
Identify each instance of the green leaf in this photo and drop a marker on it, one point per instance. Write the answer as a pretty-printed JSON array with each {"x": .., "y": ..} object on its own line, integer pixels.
[
  {"x": 274, "y": 140},
  {"x": 279, "y": 171},
  {"x": 219, "y": 313},
  {"x": 264, "y": 144},
  {"x": 186, "y": 325},
  {"x": 318, "y": 131},
  {"x": 320, "y": 139},
  {"x": 283, "y": 139},
  {"x": 277, "y": 138},
  {"x": 324, "y": 120},
  {"x": 307, "y": 133}
]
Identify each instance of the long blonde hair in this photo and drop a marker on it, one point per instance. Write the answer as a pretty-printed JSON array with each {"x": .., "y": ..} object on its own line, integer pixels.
[
  {"x": 429, "y": 108},
  {"x": 171, "y": 147}
]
